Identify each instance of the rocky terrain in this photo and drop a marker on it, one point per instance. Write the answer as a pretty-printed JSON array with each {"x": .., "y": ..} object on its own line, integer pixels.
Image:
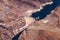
[{"x": 12, "y": 19}]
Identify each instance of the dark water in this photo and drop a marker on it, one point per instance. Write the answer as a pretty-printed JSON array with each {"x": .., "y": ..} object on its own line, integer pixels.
[
  {"x": 41, "y": 14},
  {"x": 17, "y": 36},
  {"x": 46, "y": 10}
]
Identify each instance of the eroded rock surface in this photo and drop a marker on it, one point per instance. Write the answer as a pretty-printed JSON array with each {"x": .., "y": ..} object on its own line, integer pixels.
[{"x": 12, "y": 13}]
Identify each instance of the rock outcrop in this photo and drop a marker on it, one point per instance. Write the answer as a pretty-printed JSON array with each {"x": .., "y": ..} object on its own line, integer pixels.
[{"x": 12, "y": 13}]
